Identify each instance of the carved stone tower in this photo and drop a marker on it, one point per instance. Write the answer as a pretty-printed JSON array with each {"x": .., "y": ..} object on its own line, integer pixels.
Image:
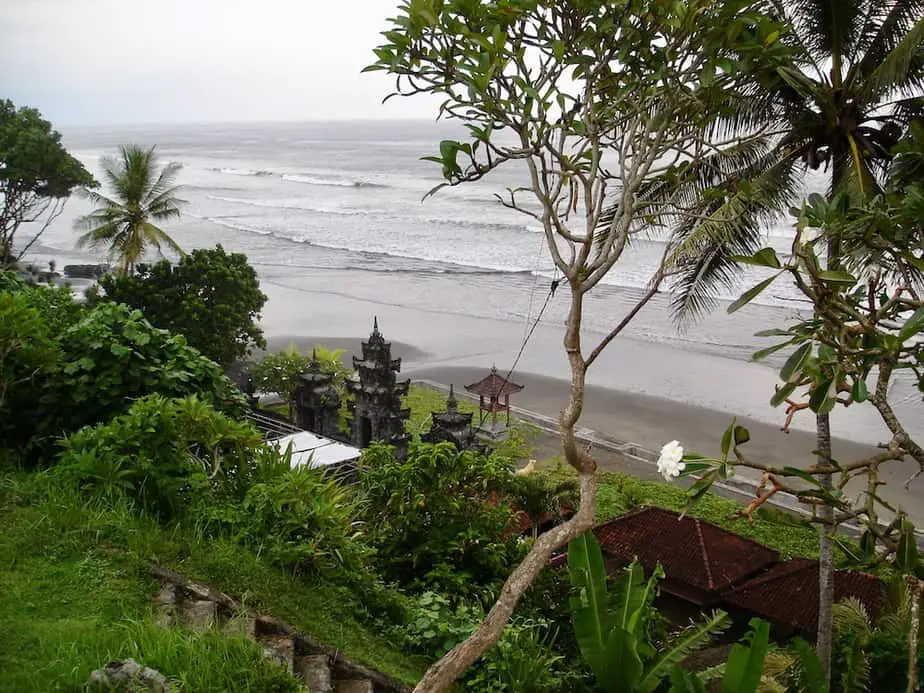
[
  {"x": 451, "y": 425},
  {"x": 317, "y": 402},
  {"x": 376, "y": 407}
]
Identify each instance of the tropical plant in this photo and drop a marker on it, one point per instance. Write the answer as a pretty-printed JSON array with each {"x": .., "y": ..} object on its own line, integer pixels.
[
  {"x": 163, "y": 454},
  {"x": 524, "y": 660},
  {"x": 141, "y": 196},
  {"x": 111, "y": 357},
  {"x": 753, "y": 666},
  {"x": 592, "y": 100},
  {"x": 37, "y": 175},
  {"x": 280, "y": 373},
  {"x": 436, "y": 517},
  {"x": 874, "y": 655},
  {"x": 211, "y": 297},
  {"x": 543, "y": 499},
  {"x": 613, "y": 629}
]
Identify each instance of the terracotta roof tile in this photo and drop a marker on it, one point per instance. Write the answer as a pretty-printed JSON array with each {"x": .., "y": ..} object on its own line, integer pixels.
[
  {"x": 493, "y": 385},
  {"x": 691, "y": 551},
  {"x": 787, "y": 593}
]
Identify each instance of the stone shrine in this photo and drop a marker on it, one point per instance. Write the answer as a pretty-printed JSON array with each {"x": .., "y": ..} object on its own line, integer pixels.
[
  {"x": 452, "y": 426},
  {"x": 376, "y": 405},
  {"x": 317, "y": 402}
]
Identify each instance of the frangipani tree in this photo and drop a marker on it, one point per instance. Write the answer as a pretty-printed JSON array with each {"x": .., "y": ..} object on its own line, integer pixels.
[{"x": 593, "y": 100}]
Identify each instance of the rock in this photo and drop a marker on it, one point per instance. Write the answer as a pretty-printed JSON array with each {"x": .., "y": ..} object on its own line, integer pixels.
[
  {"x": 315, "y": 671},
  {"x": 280, "y": 649},
  {"x": 166, "y": 605},
  {"x": 198, "y": 591},
  {"x": 241, "y": 625},
  {"x": 128, "y": 675},
  {"x": 353, "y": 686},
  {"x": 199, "y": 616}
]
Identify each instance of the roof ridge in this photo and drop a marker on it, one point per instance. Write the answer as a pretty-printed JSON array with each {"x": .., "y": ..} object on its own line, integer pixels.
[{"x": 705, "y": 553}]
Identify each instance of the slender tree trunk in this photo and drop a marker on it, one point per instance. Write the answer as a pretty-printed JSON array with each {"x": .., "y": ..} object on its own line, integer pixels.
[
  {"x": 914, "y": 586},
  {"x": 825, "y": 552},
  {"x": 442, "y": 674}
]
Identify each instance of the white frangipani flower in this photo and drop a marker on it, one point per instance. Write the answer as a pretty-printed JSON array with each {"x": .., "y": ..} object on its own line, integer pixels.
[{"x": 670, "y": 463}]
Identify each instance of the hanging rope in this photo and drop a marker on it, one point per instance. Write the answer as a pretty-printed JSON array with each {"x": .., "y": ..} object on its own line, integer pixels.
[{"x": 548, "y": 298}]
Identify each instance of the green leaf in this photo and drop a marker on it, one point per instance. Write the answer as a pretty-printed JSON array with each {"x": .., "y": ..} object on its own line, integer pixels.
[
  {"x": 683, "y": 682},
  {"x": 764, "y": 353},
  {"x": 906, "y": 556},
  {"x": 751, "y": 294},
  {"x": 588, "y": 601},
  {"x": 838, "y": 277},
  {"x": 742, "y": 435},
  {"x": 914, "y": 325},
  {"x": 774, "y": 332},
  {"x": 782, "y": 394},
  {"x": 691, "y": 641},
  {"x": 765, "y": 257},
  {"x": 623, "y": 666},
  {"x": 813, "y": 675},
  {"x": 802, "y": 474},
  {"x": 746, "y": 660},
  {"x": 727, "y": 439},
  {"x": 792, "y": 369},
  {"x": 859, "y": 391}
]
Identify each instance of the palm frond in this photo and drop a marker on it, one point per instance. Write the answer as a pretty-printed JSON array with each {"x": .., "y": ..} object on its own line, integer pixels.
[
  {"x": 705, "y": 245},
  {"x": 888, "y": 22},
  {"x": 899, "y": 70},
  {"x": 692, "y": 640}
]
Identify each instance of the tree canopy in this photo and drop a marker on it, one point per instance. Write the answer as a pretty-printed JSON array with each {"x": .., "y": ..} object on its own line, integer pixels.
[
  {"x": 37, "y": 175},
  {"x": 211, "y": 297}
]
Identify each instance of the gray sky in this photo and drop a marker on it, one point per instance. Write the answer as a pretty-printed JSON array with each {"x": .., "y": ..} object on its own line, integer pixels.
[{"x": 89, "y": 62}]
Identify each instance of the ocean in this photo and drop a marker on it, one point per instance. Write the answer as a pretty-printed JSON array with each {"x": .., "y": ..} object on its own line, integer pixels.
[{"x": 339, "y": 207}]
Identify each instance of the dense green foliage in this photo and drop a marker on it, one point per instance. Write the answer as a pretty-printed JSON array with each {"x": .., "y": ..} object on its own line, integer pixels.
[
  {"x": 140, "y": 195},
  {"x": 280, "y": 373},
  {"x": 165, "y": 455},
  {"x": 437, "y": 518},
  {"x": 36, "y": 173},
  {"x": 211, "y": 297},
  {"x": 93, "y": 365}
]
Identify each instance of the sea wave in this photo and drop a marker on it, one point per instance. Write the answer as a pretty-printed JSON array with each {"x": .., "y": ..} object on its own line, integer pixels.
[
  {"x": 311, "y": 179},
  {"x": 373, "y": 212},
  {"x": 243, "y": 171}
]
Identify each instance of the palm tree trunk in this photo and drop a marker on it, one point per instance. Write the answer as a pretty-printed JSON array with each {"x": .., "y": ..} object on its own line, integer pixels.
[{"x": 825, "y": 551}]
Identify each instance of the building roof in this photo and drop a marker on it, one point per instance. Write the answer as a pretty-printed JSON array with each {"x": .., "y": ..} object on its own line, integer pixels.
[
  {"x": 691, "y": 551},
  {"x": 316, "y": 451},
  {"x": 493, "y": 385},
  {"x": 787, "y": 593}
]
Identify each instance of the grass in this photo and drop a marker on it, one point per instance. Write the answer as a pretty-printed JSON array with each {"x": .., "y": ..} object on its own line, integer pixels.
[
  {"x": 621, "y": 493},
  {"x": 422, "y": 401},
  {"x": 75, "y": 593}
]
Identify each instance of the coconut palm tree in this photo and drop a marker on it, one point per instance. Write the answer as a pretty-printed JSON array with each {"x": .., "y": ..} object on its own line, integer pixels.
[
  {"x": 142, "y": 194},
  {"x": 838, "y": 102}
]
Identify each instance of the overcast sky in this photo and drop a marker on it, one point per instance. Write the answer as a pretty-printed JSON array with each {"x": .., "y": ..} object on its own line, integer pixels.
[{"x": 100, "y": 62}]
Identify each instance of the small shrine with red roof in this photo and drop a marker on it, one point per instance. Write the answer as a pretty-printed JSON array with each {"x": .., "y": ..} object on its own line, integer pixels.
[{"x": 493, "y": 392}]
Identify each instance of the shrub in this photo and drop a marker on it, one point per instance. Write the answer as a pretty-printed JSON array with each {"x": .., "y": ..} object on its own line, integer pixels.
[
  {"x": 164, "y": 454},
  {"x": 113, "y": 356},
  {"x": 211, "y": 297},
  {"x": 524, "y": 660},
  {"x": 280, "y": 373},
  {"x": 302, "y": 521},
  {"x": 435, "y": 518},
  {"x": 434, "y": 626}
]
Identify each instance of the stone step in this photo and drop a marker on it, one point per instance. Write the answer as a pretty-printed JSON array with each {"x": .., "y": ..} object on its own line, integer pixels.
[
  {"x": 314, "y": 670},
  {"x": 199, "y": 616},
  {"x": 353, "y": 686},
  {"x": 280, "y": 649}
]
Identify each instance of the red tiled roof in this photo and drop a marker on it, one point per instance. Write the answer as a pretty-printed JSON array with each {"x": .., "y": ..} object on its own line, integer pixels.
[
  {"x": 691, "y": 551},
  {"x": 787, "y": 593},
  {"x": 493, "y": 385}
]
